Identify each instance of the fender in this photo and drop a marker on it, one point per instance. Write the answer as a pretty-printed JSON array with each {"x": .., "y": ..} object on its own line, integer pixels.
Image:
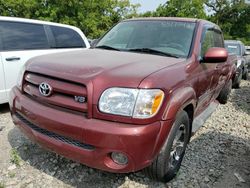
[{"x": 179, "y": 99}]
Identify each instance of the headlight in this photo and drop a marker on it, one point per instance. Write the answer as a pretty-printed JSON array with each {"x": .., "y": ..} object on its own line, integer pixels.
[
  {"x": 119, "y": 101},
  {"x": 20, "y": 78},
  {"x": 238, "y": 63},
  {"x": 137, "y": 103}
]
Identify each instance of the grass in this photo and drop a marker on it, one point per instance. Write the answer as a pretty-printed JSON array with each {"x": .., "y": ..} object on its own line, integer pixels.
[
  {"x": 2, "y": 185},
  {"x": 14, "y": 157},
  {"x": 178, "y": 173},
  {"x": 12, "y": 174}
]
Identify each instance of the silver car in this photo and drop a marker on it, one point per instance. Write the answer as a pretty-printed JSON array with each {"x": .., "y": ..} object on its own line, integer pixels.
[{"x": 238, "y": 48}]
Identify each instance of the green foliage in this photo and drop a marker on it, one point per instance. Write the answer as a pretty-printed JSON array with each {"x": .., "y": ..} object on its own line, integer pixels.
[
  {"x": 233, "y": 17},
  {"x": 182, "y": 8},
  {"x": 2, "y": 185},
  {"x": 95, "y": 17},
  {"x": 14, "y": 157},
  {"x": 12, "y": 174}
]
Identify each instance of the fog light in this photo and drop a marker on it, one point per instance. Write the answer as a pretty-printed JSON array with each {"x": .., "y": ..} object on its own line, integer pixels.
[{"x": 119, "y": 158}]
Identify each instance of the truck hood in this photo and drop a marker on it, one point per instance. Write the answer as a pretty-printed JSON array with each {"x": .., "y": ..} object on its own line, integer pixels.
[{"x": 112, "y": 68}]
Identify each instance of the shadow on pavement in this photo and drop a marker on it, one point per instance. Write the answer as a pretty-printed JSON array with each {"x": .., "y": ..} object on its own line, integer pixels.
[{"x": 241, "y": 97}]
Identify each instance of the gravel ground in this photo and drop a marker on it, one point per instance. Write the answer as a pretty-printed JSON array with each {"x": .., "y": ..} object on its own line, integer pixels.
[{"x": 218, "y": 156}]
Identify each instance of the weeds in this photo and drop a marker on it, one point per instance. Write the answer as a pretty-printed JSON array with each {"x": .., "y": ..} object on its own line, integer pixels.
[
  {"x": 2, "y": 185},
  {"x": 14, "y": 157},
  {"x": 12, "y": 174}
]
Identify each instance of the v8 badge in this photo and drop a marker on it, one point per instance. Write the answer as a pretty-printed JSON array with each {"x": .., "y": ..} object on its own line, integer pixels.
[{"x": 80, "y": 99}]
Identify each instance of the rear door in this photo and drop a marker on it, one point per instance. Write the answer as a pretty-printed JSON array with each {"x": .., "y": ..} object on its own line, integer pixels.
[{"x": 22, "y": 41}]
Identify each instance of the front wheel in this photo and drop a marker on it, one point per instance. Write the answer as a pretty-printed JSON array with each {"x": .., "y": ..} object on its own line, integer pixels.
[
  {"x": 245, "y": 76},
  {"x": 237, "y": 81},
  {"x": 224, "y": 93},
  {"x": 168, "y": 162}
]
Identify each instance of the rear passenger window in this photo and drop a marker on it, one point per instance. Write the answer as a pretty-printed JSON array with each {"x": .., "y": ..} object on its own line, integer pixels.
[
  {"x": 67, "y": 38},
  {"x": 22, "y": 36}
]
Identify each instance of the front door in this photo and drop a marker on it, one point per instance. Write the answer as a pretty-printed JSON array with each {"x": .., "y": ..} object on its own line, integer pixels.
[
  {"x": 212, "y": 78},
  {"x": 207, "y": 69}
]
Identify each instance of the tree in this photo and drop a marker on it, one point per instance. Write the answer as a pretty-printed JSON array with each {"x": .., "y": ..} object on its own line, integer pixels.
[
  {"x": 182, "y": 8},
  {"x": 233, "y": 18},
  {"x": 92, "y": 16}
]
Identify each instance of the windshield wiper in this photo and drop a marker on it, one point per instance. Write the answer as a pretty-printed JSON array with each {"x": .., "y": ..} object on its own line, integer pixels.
[
  {"x": 107, "y": 47},
  {"x": 152, "y": 51}
]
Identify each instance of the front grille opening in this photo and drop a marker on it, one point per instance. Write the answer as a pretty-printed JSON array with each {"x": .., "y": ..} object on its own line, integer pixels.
[{"x": 54, "y": 135}]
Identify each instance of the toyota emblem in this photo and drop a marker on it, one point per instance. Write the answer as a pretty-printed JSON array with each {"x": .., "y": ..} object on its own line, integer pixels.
[{"x": 45, "y": 89}]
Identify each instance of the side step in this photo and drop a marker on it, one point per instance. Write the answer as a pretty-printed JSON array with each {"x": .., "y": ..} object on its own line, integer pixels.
[{"x": 201, "y": 119}]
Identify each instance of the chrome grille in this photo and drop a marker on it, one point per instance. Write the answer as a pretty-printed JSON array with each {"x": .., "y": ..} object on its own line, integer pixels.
[{"x": 64, "y": 92}]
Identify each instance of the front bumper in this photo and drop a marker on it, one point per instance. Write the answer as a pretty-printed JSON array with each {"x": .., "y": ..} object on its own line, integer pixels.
[{"x": 88, "y": 141}]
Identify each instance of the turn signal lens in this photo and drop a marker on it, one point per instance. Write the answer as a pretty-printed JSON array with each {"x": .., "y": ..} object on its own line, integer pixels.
[
  {"x": 157, "y": 102},
  {"x": 148, "y": 103}
]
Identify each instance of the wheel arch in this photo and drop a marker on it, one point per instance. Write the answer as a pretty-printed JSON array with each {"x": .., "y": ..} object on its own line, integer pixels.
[
  {"x": 181, "y": 99},
  {"x": 184, "y": 100},
  {"x": 190, "y": 111}
]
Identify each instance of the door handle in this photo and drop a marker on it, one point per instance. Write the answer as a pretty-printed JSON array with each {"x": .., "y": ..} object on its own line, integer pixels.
[
  {"x": 218, "y": 67},
  {"x": 13, "y": 59}
]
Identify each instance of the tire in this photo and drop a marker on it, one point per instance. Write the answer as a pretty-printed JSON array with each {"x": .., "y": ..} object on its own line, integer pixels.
[
  {"x": 225, "y": 92},
  {"x": 237, "y": 82},
  {"x": 245, "y": 76},
  {"x": 165, "y": 167}
]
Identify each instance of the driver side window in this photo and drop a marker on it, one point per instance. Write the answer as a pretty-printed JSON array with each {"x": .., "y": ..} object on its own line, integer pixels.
[
  {"x": 208, "y": 42},
  {"x": 212, "y": 38}
]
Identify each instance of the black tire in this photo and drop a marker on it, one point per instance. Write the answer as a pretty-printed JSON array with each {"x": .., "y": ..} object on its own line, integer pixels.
[
  {"x": 160, "y": 169},
  {"x": 245, "y": 76},
  {"x": 237, "y": 82},
  {"x": 225, "y": 92}
]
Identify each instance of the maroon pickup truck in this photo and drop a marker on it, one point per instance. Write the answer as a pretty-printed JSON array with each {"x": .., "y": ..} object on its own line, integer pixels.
[{"x": 132, "y": 101}]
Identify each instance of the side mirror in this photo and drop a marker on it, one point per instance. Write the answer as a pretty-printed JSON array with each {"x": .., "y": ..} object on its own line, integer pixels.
[
  {"x": 90, "y": 41},
  {"x": 215, "y": 55}
]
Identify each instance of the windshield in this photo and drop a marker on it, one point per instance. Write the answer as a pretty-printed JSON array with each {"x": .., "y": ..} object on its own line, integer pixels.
[
  {"x": 233, "y": 49},
  {"x": 173, "y": 38}
]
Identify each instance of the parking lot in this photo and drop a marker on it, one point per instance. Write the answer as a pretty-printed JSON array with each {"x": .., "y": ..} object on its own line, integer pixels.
[{"x": 218, "y": 156}]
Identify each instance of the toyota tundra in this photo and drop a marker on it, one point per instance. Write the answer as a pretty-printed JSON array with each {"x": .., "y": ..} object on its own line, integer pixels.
[{"x": 131, "y": 102}]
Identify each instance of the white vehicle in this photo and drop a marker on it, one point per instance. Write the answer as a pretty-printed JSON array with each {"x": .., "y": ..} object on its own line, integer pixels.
[{"x": 22, "y": 39}]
